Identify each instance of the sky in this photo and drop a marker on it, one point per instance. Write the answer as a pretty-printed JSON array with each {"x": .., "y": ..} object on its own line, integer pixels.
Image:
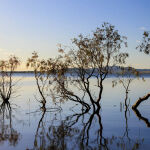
[{"x": 40, "y": 25}]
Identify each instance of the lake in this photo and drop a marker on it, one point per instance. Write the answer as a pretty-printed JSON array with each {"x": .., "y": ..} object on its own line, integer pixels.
[{"x": 114, "y": 126}]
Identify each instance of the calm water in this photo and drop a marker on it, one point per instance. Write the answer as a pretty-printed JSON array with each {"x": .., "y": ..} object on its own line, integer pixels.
[{"x": 113, "y": 127}]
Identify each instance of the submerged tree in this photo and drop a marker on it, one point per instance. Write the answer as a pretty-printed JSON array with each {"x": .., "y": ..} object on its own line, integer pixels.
[
  {"x": 39, "y": 68},
  {"x": 45, "y": 71},
  {"x": 66, "y": 135},
  {"x": 83, "y": 130},
  {"x": 7, "y": 69},
  {"x": 93, "y": 56},
  {"x": 125, "y": 76}
]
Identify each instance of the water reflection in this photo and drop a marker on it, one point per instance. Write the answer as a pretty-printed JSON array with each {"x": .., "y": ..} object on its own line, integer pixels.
[
  {"x": 83, "y": 130},
  {"x": 52, "y": 136},
  {"x": 98, "y": 141},
  {"x": 7, "y": 131},
  {"x": 40, "y": 134},
  {"x": 125, "y": 141},
  {"x": 77, "y": 128},
  {"x": 42, "y": 138},
  {"x": 67, "y": 134},
  {"x": 138, "y": 114}
]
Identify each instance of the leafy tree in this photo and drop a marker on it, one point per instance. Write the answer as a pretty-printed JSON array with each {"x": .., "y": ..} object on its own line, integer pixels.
[
  {"x": 7, "y": 69},
  {"x": 145, "y": 44},
  {"x": 93, "y": 56},
  {"x": 44, "y": 73}
]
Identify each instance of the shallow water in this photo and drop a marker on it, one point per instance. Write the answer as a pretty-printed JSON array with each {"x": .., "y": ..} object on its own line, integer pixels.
[{"x": 113, "y": 127}]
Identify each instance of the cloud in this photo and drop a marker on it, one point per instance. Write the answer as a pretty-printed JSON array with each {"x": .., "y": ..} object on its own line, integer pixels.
[{"x": 142, "y": 28}]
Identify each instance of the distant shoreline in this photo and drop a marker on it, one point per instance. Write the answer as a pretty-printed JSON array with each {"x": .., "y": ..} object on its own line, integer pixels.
[
  {"x": 115, "y": 70},
  {"x": 141, "y": 71}
]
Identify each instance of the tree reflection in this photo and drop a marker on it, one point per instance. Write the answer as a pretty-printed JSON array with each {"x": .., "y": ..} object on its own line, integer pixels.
[
  {"x": 125, "y": 141},
  {"x": 52, "y": 137},
  {"x": 41, "y": 135},
  {"x": 7, "y": 91},
  {"x": 88, "y": 120},
  {"x": 139, "y": 115},
  {"x": 67, "y": 135},
  {"x": 7, "y": 132},
  {"x": 83, "y": 130},
  {"x": 125, "y": 79}
]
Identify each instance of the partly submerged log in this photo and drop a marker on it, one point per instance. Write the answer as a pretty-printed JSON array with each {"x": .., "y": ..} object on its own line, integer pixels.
[
  {"x": 140, "y": 100},
  {"x": 138, "y": 114}
]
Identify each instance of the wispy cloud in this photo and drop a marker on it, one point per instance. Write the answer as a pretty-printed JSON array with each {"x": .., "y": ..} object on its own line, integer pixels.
[{"x": 142, "y": 28}]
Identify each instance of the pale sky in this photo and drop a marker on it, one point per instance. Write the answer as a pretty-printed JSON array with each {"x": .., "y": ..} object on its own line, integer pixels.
[{"x": 39, "y": 25}]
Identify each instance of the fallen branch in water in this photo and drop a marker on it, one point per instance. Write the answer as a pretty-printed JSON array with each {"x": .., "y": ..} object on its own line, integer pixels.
[{"x": 138, "y": 102}]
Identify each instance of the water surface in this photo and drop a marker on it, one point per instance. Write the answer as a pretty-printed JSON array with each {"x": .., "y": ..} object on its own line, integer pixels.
[{"x": 27, "y": 127}]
